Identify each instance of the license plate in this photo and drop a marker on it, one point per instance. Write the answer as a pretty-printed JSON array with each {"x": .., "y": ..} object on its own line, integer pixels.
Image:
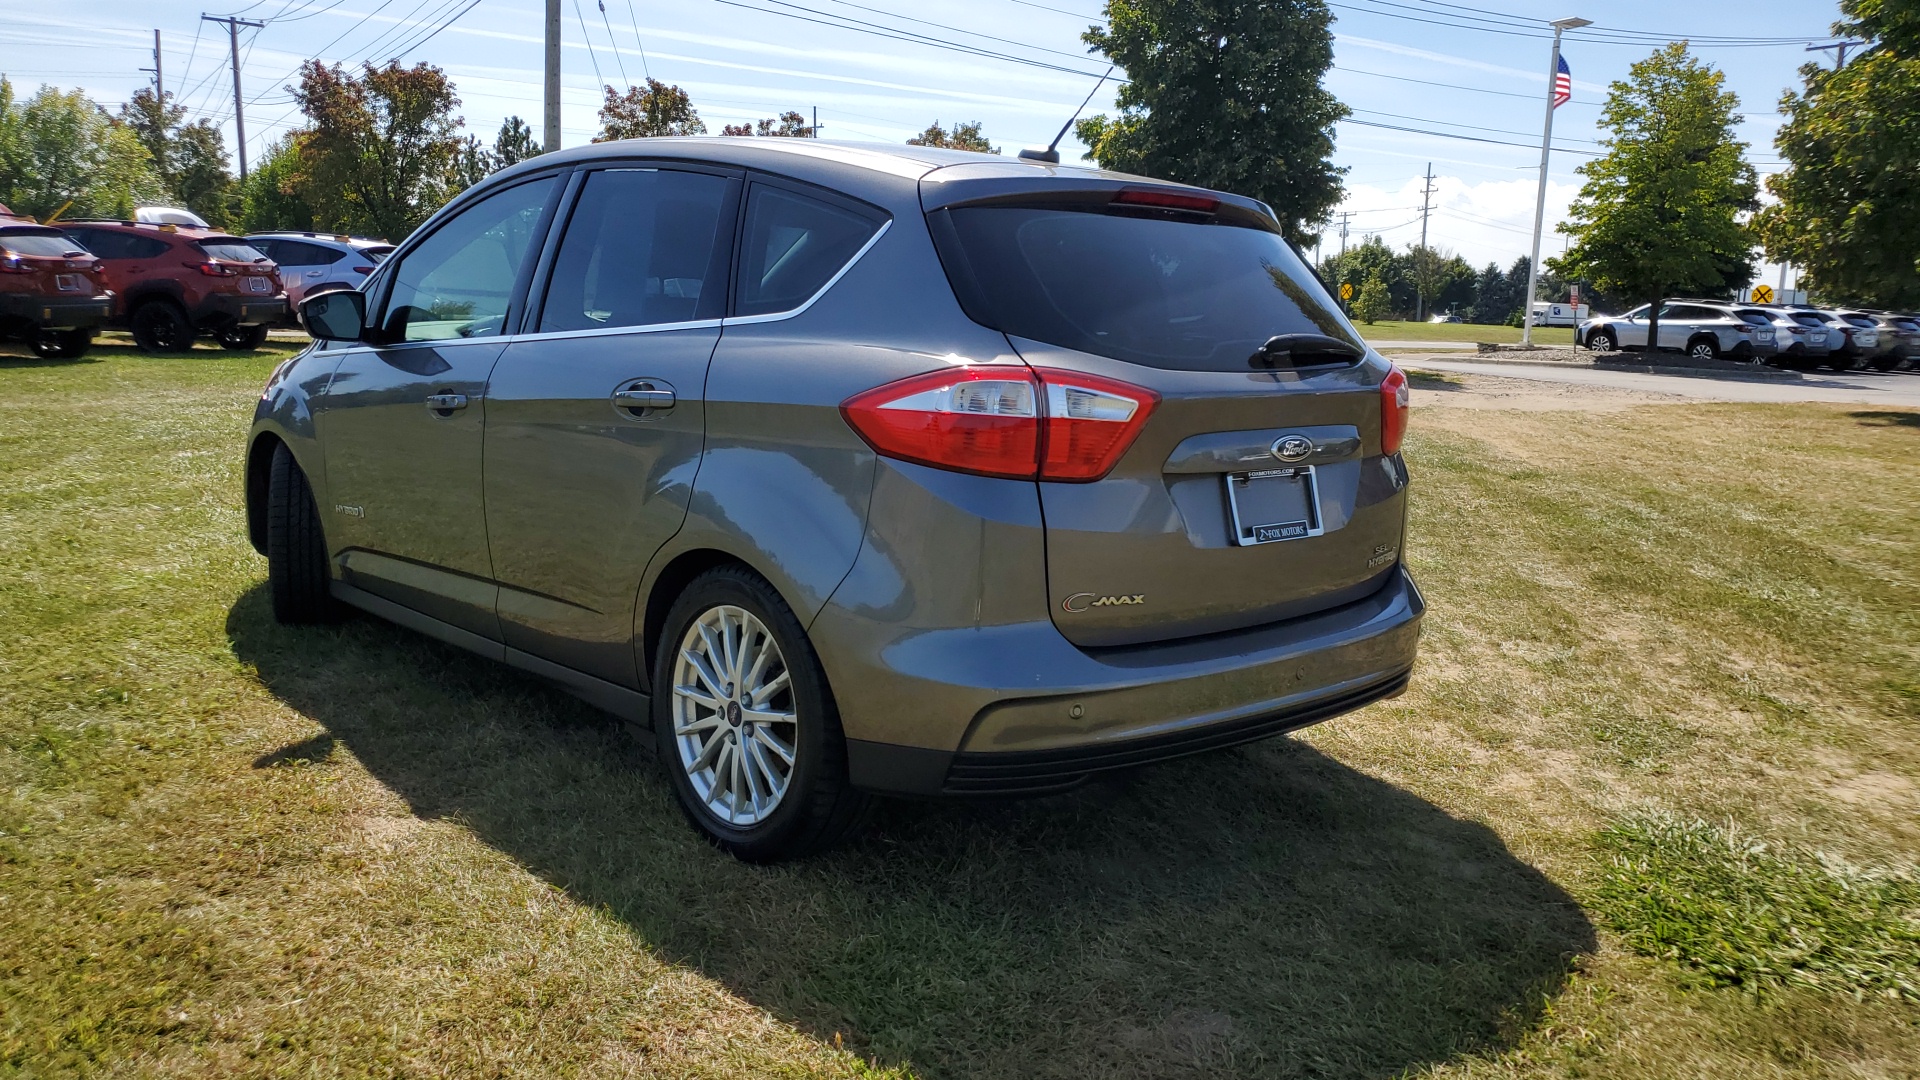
[
  {"x": 259, "y": 284},
  {"x": 1273, "y": 505},
  {"x": 70, "y": 282}
]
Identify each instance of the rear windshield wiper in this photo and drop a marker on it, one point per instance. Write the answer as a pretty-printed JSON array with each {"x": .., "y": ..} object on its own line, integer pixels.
[{"x": 1300, "y": 350}]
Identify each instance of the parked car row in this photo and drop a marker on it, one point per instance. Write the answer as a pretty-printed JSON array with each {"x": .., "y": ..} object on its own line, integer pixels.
[
  {"x": 1796, "y": 336},
  {"x": 166, "y": 277}
]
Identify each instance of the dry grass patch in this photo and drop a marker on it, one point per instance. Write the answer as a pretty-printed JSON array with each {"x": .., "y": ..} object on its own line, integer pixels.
[{"x": 232, "y": 848}]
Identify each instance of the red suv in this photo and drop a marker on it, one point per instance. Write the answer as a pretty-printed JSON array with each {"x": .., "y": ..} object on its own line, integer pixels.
[
  {"x": 52, "y": 291},
  {"x": 176, "y": 282}
]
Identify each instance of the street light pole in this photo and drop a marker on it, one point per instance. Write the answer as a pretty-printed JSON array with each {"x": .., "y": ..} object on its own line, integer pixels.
[{"x": 1540, "y": 203}]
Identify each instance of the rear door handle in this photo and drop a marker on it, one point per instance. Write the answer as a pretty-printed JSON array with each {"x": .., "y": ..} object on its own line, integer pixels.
[
  {"x": 446, "y": 403},
  {"x": 643, "y": 399}
]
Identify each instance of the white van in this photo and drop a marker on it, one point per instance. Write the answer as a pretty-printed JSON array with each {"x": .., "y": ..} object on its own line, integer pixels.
[{"x": 1545, "y": 314}]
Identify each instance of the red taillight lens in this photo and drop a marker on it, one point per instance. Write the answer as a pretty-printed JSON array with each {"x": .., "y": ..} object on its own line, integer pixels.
[
  {"x": 14, "y": 264},
  {"x": 214, "y": 269},
  {"x": 1090, "y": 422},
  {"x": 982, "y": 420},
  {"x": 1395, "y": 404},
  {"x": 1170, "y": 200},
  {"x": 1004, "y": 421}
]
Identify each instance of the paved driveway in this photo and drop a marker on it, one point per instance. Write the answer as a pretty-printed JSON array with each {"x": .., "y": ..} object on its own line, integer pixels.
[{"x": 1896, "y": 388}]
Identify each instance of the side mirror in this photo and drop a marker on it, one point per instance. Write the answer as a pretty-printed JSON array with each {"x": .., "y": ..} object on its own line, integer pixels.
[{"x": 336, "y": 316}]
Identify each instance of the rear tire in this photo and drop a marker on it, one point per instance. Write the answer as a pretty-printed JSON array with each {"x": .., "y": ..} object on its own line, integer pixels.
[
  {"x": 297, "y": 572},
  {"x": 816, "y": 808},
  {"x": 1703, "y": 349},
  {"x": 242, "y": 338},
  {"x": 160, "y": 326},
  {"x": 1843, "y": 363},
  {"x": 62, "y": 344},
  {"x": 1885, "y": 363}
]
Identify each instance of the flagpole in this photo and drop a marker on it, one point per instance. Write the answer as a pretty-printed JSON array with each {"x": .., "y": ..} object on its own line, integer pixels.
[{"x": 1540, "y": 203}]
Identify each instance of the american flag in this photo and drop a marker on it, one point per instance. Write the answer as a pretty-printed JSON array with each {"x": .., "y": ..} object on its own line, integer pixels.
[{"x": 1562, "y": 85}]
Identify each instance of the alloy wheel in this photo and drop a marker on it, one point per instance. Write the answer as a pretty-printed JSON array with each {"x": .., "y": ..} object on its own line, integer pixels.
[
  {"x": 733, "y": 715},
  {"x": 1705, "y": 351}
]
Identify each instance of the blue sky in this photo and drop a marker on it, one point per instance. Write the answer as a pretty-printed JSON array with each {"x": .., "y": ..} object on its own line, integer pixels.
[{"x": 1480, "y": 67}]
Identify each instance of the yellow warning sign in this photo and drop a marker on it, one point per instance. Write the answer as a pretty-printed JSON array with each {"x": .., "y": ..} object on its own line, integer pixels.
[
  {"x": 1346, "y": 292},
  {"x": 1762, "y": 294}
]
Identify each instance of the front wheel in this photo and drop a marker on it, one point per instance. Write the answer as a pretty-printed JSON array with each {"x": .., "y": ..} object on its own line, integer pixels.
[
  {"x": 242, "y": 338},
  {"x": 297, "y": 572},
  {"x": 1602, "y": 341},
  {"x": 746, "y": 725}
]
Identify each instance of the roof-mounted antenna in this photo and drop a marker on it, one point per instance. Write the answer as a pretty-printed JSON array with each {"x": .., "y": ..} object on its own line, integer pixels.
[{"x": 1051, "y": 155}]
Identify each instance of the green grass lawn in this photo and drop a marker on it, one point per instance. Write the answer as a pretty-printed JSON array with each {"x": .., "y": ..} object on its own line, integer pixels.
[
  {"x": 1651, "y": 808},
  {"x": 1465, "y": 333}
]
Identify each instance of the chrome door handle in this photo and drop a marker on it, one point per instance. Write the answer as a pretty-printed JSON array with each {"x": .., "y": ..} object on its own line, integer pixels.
[
  {"x": 445, "y": 403},
  {"x": 643, "y": 399}
]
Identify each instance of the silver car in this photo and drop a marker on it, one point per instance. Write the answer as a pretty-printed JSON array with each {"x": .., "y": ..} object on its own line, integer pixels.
[
  {"x": 313, "y": 263},
  {"x": 855, "y": 469},
  {"x": 1703, "y": 329}
]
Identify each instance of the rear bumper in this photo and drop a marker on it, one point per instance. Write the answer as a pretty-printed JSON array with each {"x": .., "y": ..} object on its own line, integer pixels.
[
  {"x": 222, "y": 309},
  {"x": 1068, "y": 713},
  {"x": 57, "y": 312}
]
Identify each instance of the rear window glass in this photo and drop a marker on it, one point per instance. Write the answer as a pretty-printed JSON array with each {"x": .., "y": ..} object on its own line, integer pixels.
[
  {"x": 1810, "y": 320},
  {"x": 231, "y": 250},
  {"x": 1757, "y": 318},
  {"x": 377, "y": 254},
  {"x": 47, "y": 244},
  {"x": 1164, "y": 293}
]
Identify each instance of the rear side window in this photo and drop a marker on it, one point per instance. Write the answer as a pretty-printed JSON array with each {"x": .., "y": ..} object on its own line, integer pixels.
[
  {"x": 45, "y": 244},
  {"x": 793, "y": 245},
  {"x": 231, "y": 250},
  {"x": 1166, "y": 293},
  {"x": 640, "y": 250}
]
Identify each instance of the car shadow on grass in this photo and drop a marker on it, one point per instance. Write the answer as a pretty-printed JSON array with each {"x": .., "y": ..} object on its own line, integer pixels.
[
  {"x": 1264, "y": 911},
  {"x": 1887, "y": 418}
]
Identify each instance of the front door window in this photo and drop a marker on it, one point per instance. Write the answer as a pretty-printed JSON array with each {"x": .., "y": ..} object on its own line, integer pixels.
[{"x": 458, "y": 282}]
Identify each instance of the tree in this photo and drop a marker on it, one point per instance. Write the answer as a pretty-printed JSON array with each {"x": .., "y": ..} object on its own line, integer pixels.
[
  {"x": 1662, "y": 210},
  {"x": 790, "y": 125},
  {"x": 1368, "y": 259},
  {"x": 270, "y": 199},
  {"x": 1373, "y": 301},
  {"x": 472, "y": 163},
  {"x": 1226, "y": 94},
  {"x": 381, "y": 150},
  {"x": 656, "y": 110},
  {"x": 1493, "y": 298},
  {"x": 190, "y": 158},
  {"x": 59, "y": 152},
  {"x": 1432, "y": 272},
  {"x": 514, "y": 144},
  {"x": 962, "y": 137},
  {"x": 1849, "y": 212}
]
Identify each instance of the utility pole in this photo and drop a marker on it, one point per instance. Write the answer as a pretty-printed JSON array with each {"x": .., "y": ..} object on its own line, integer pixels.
[
  {"x": 815, "y": 130},
  {"x": 1426, "y": 195},
  {"x": 239, "y": 105},
  {"x": 1840, "y": 51},
  {"x": 1344, "y": 215},
  {"x": 1546, "y": 148},
  {"x": 552, "y": 94},
  {"x": 159, "y": 82}
]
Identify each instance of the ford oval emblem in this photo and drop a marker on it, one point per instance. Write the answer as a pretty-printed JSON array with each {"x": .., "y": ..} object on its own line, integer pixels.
[{"x": 1292, "y": 447}]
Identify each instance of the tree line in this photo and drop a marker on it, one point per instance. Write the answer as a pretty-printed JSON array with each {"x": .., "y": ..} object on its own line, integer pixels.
[{"x": 1226, "y": 94}]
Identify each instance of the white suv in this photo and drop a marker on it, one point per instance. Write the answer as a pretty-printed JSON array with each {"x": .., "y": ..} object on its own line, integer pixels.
[
  {"x": 313, "y": 263},
  {"x": 1703, "y": 329}
]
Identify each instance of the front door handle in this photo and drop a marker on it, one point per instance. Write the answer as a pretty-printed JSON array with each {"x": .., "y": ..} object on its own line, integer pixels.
[
  {"x": 649, "y": 398},
  {"x": 446, "y": 403}
]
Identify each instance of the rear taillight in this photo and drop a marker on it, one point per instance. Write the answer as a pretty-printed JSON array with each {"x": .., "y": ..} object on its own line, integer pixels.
[
  {"x": 214, "y": 269},
  {"x": 14, "y": 264},
  {"x": 1004, "y": 421},
  {"x": 1395, "y": 405}
]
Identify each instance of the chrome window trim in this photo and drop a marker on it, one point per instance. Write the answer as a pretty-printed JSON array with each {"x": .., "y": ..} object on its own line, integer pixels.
[
  {"x": 779, "y": 316},
  {"x": 611, "y": 331}
]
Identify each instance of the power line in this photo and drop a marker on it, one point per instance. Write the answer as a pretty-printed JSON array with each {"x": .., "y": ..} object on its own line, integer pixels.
[
  {"x": 589, "y": 40},
  {"x": 1463, "y": 138},
  {"x": 610, "y": 43},
  {"x": 633, "y": 19}
]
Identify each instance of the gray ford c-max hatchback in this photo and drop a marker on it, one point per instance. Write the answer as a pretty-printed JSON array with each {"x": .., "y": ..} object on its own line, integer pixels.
[{"x": 855, "y": 469}]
